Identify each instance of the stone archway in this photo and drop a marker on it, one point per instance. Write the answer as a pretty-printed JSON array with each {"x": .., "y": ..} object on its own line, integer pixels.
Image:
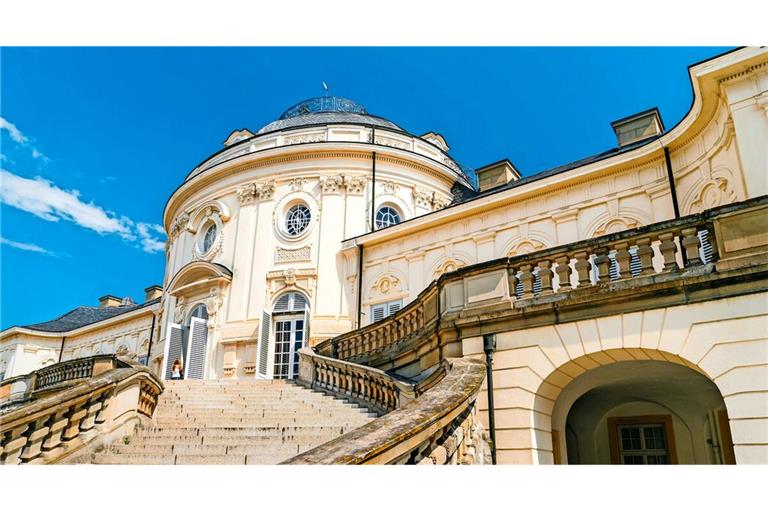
[{"x": 723, "y": 340}]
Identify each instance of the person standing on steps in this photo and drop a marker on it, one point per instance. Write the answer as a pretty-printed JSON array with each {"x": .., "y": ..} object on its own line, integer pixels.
[{"x": 176, "y": 370}]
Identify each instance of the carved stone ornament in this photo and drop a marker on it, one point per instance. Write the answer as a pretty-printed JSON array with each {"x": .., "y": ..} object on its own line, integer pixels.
[
  {"x": 714, "y": 193},
  {"x": 179, "y": 312},
  {"x": 252, "y": 191},
  {"x": 289, "y": 276},
  {"x": 354, "y": 184},
  {"x": 388, "y": 187},
  {"x": 304, "y": 139},
  {"x": 179, "y": 224},
  {"x": 385, "y": 284},
  {"x": 422, "y": 197},
  {"x": 440, "y": 202},
  {"x": 392, "y": 142},
  {"x": 121, "y": 350},
  {"x": 331, "y": 184},
  {"x": 213, "y": 303},
  {"x": 297, "y": 184}
]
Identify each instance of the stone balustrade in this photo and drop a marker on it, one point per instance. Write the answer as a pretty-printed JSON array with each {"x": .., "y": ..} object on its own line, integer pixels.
[
  {"x": 667, "y": 251},
  {"x": 437, "y": 424},
  {"x": 106, "y": 398},
  {"x": 367, "y": 386}
]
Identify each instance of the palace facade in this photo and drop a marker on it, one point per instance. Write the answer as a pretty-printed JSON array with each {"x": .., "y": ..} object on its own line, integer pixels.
[{"x": 330, "y": 221}]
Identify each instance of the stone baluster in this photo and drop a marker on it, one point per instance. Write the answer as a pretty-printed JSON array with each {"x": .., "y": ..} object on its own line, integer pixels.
[
  {"x": 38, "y": 430},
  {"x": 582, "y": 267},
  {"x": 101, "y": 416},
  {"x": 512, "y": 282},
  {"x": 645, "y": 254},
  {"x": 13, "y": 444},
  {"x": 75, "y": 416},
  {"x": 602, "y": 264},
  {"x": 668, "y": 249},
  {"x": 545, "y": 275},
  {"x": 92, "y": 408},
  {"x": 526, "y": 278},
  {"x": 563, "y": 271},
  {"x": 623, "y": 259},
  {"x": 691, "y": 244},
  {"x": 56, "y": 425}
]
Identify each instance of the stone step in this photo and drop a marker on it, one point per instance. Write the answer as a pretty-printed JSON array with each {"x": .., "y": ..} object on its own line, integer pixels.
[{"x": 205, "y": 450}]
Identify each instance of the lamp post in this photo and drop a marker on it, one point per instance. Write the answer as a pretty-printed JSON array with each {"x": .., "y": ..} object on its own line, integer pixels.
[{"x": 489, "y": 347}]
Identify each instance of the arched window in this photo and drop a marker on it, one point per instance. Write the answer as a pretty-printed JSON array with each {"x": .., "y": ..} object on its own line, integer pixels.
[
  {"x": 297, "y": 219},
  {"x": 387, "y": 216},
  {"x": 290, "y": 314},
  {"x": 199, "y": 311}
]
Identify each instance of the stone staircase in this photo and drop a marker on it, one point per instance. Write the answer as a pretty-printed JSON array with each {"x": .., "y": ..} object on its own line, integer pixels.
[{"x": 235, "y": 422}]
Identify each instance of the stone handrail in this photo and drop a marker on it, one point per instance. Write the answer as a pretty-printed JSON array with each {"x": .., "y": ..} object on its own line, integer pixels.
[
  {"x": 367, "y": 386},
  {"x": 22, "y": 388},
  {"x": 59, "y": 423},
  {"x": 668, "y": 248},
  {"x": 436, "y": 427}
]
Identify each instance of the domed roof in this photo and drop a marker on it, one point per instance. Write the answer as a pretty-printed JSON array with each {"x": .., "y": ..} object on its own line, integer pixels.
[{"x": 324, "y": 110}]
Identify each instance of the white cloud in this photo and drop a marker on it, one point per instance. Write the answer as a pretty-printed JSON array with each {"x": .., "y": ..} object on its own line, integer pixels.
[
  {"x": 24, "y": 247},
  {"x": 42, "y": 198},
  {"x": 149, "y": 242},
  {"x": 14, "y": 132}
]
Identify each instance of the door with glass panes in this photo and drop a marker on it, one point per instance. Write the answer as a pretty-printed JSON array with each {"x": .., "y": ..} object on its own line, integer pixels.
[
  {"x": 642, "y": 440},
  {"x": 289, "y": 338}
]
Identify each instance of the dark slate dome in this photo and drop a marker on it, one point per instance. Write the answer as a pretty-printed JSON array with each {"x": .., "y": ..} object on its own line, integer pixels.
[{"x": 326, "y": 110}]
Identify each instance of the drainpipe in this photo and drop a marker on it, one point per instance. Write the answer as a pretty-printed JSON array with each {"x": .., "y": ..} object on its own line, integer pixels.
[
  {"x": 671, "y": 179},
  {"x": 489, "y": 346},
  {"x": 61, "y": 350},
  {"x": 359, "y": 284},
  {"x": 151, "y": 337},
  {"x": 373, "y": 181}
]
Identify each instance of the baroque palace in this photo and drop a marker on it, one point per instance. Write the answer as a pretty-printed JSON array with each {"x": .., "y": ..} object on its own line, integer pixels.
[{"x": 335, "y": 288}]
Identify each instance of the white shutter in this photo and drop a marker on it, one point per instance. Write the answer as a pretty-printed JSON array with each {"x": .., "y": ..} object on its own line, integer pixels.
[
  {"x": 635, "y": 267},
  {"x": 194, "y": 367},
  {"x": 394, "y": 307},
  {"x": 172, "y": 348},
  {"x": 706, "y": 252},
  {"x": 377, "y": 312},
  {"x": 266, "y": 324}
]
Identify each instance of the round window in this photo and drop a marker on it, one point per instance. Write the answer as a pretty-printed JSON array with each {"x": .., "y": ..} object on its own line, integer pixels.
[
  {"x": 209, "y": 237},
  {"x": 387, "y": 216},
  {"x": 297, "y": 219}
]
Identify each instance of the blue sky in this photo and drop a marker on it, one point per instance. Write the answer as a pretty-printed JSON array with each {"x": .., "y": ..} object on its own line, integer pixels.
[{"x": 94, "y": 140}]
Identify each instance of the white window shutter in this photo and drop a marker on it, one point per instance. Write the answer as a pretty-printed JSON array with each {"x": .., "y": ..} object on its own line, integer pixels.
[
  {"x": 266, "y": 324},
  {"x": 173, "y": 340},
  {"x": 196, "y": 349},
  {"x": 394, "y": 307},
  {"x": 378, "y": 312}
]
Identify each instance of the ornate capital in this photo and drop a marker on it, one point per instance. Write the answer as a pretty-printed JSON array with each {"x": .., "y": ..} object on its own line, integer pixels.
[
  {"x": 354, "y": 184},
  {"x": 422, "y": 197},
  {"x": 252, "y": 191},
  {"x": 331, "y": 184},
  {"x": 179, "y": 224}
]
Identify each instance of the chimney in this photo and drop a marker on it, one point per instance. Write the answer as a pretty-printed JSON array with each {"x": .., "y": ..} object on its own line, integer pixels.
[
  {"x": 496, "y": 174},
  {"x": 153, "y": 292},
  {"x": 109, "y": 301},
  {"x": 638, "y": 127}
]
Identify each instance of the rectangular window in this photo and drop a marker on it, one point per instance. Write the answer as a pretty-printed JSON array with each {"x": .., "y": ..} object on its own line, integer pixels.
[
  {"x": 383, "y": 310},
  {"x": 642, "y": 440}
]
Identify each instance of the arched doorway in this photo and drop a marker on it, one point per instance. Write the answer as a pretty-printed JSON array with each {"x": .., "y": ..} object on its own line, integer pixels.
[
  {"x": 288, "y": 324},
  {"x": 641, "y": 412}
]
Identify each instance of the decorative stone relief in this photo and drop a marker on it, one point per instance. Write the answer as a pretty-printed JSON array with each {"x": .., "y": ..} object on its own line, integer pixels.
[
  {"x": 391, "y": 142},
  {"x": 297, "y": 184},
  {"x": 297, "y": 279},
  {"x": 179, "y": 224},
  {"x": 283, "y": 255},
  {"x": 252, "y": 191},
  {"x": 422, "y": 197},
  {"x": 385, "y": 284},
  {"x": 440, "y": 202},
  {"x": 180, "y": 311},
  {"x": 213, "y": 303},
  {"x": 715, "y": 193},
  {"x": 448, "y": 266},
  {"x": 331, "y": 184},
  {"x": 387, "y": 187},
  {"x": 304, "y": 139},
  {"x": 615, "y": 225},
  {"x": 525, "y": 247},
  {"x": 354, "y": 184}
]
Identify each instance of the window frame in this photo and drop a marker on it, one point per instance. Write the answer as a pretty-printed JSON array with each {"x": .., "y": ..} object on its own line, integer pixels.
[
  {"x": 618, "y": 421},
  {"x": 393, "y": 209},
  {"x": 387, "y": 305},
  {"x": 285, "y": 220}
]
